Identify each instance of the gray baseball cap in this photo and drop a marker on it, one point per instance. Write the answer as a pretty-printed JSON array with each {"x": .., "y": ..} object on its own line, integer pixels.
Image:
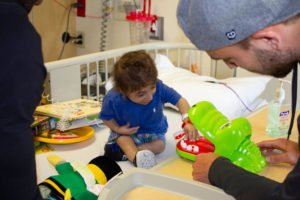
[{"x": 213, "y": 24}]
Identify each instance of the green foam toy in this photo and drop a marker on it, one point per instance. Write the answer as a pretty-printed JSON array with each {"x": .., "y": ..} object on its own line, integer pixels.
[{"x": 231, "y": 138}]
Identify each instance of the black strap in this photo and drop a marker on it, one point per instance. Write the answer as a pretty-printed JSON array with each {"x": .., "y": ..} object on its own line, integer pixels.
[
  {"x": 294, "y": 99},
  {"x": 298, "y": 123}
]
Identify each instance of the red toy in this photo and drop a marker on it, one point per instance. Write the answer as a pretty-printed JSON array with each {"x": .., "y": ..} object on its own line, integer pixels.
[{"x": 189, "y": 149}]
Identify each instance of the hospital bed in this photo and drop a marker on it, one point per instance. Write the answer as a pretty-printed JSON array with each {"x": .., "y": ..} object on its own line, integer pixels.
[{"x": 87, "y": 76}]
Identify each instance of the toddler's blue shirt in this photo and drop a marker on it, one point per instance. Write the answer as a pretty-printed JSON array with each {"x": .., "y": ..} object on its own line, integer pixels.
[{"x": 149, "y": 118}]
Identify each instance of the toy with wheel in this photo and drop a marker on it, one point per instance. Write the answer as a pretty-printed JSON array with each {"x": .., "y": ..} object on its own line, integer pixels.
[{"x": 231, "y": 138}]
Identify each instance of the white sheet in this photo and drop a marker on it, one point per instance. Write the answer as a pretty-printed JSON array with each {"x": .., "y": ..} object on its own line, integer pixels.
[{"x": 234, "y": 97}]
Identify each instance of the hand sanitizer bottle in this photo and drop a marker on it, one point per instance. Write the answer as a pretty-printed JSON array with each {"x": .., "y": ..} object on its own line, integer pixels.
[{"x": 278, "y": 114}]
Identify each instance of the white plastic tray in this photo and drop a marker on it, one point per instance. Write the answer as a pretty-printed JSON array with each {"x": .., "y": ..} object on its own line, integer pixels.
[{"x": 184, "y": 189}]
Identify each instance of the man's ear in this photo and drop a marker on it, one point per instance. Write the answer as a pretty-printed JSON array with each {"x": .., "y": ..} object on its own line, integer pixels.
[{"x": 271, "y": 35}]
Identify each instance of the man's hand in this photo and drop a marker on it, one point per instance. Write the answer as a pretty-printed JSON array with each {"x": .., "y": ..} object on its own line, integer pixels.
[
  {"x": 288, "y": 151},
  {"x": 202, "y": 165}
]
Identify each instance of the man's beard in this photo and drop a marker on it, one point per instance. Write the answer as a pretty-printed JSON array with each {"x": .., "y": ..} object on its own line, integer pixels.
[{"x": 276, "y": 63}]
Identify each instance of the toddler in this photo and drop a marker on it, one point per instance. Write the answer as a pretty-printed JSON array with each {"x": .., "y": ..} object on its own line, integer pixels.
[{"x": 133, "y": 110}]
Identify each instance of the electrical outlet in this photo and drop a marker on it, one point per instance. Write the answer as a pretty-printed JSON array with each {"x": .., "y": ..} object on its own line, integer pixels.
[
  {"x": 81, "y": 8},
  {"x": 158, "y": 28},
  {"x": 79, "y": 40}
]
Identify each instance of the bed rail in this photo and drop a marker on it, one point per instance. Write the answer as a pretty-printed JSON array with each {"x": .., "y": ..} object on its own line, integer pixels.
[{"x": 85, "y": 76}]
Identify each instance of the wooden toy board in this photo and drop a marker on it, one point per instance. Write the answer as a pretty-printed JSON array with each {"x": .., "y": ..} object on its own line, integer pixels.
[{"x": 70, "y": 110}]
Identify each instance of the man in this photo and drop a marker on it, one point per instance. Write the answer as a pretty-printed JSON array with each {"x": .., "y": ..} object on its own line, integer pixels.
[
  {"x": 21, "y": 85},
  {"x": 261, "y": 36}
]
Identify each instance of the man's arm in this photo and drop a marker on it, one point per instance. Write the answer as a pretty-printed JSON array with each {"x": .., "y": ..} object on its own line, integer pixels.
[{"x": 245, "y": 185}]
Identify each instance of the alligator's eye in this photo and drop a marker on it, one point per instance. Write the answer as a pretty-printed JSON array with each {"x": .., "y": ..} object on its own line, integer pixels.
[{"x": 225, "y": 125}]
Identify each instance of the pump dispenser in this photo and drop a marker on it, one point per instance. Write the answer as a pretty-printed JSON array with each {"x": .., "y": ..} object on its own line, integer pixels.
[{"x": 279, "y": 113}]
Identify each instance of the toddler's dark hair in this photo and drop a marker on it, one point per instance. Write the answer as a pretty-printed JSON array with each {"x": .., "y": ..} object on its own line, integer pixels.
[{"x": 134, "y": 71}]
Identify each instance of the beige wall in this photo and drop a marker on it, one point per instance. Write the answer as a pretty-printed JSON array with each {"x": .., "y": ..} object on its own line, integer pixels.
[
  {"x": 118, "y": 29},
  {"x": 50, "y": 19},
  {"x": 162, "y": 8}
]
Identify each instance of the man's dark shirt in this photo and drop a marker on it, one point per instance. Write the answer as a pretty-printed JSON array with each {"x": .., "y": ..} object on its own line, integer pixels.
[
  {"x": 244, "y": 185},
  {"x": 22, "y": 75}
]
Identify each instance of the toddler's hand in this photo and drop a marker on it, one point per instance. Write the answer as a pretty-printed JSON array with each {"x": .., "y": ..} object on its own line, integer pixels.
[
  {"x": 127, "y": 130},
  {"x": 191, "y": 132}
]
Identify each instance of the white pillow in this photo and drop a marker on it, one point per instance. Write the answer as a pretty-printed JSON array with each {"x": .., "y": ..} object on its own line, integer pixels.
[
  {"x": 234, "y": 97},
  {"x": 162, "y": 62}
]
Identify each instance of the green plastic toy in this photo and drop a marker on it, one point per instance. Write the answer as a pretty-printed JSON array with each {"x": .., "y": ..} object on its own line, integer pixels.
[{"x": 231, "y": 138}]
